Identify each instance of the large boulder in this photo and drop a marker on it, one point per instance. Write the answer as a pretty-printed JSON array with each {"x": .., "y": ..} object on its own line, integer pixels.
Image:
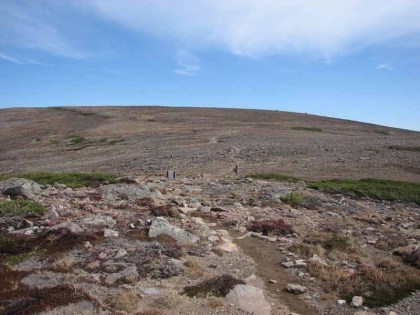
[
  {"x": 160, "y": 226},
  {"x": 249, "y": 299},
  {"x": 125, "y": 191},
  {"x": 25, "y": 188}
]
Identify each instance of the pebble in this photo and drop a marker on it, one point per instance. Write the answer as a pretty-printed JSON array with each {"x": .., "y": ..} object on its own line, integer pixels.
[
  {"x": 356, "y": 301},
  {"x": 110, "y": 233}
]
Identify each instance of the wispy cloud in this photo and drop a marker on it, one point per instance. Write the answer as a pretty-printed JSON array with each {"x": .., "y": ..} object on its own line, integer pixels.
[
  {"x": 30, "y": 25},
  {"x": 187, "y": 64},
  {"x": 253, "y": 28},
  {"x": 10, "y": 59},
  {"x": 384, "y": 66}
]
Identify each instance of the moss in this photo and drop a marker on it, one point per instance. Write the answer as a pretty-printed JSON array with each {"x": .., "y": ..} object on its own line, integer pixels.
[
  {"x": 218, "y": 286},
  {"x": 77, "y": 139},
  {"x": 20, "y": 207},
  {"x": 17, "y": 259}
]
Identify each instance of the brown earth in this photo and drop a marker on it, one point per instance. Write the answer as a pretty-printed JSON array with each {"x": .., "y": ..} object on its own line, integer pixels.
[{"x": 151, "y": 139}]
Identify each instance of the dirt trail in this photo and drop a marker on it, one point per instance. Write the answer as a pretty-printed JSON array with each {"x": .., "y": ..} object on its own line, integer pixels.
[{"x": 267, "y": 259}]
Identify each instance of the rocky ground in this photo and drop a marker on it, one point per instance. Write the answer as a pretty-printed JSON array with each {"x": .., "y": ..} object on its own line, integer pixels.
[{"x": 206, "y": 246}]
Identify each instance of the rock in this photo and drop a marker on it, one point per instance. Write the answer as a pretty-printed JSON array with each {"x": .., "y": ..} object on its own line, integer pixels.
[
  {"x": 110, "y": 233},
  {"x": 363, "y": 313},
  {"x": 228, "y": 247},
  {"x": 99, "y": 221},
  {"x": 341, "y": 302},
  {"x": 150, "y": 291},
  {"x": 44, "y": 279},
  {"x": 120, "y": 254},
  {"x": 52, "y": 214},
  {"x": 213, "y": 238},
  {"x": 287, "y": 264},
  {"x": 300, "y": 263},
  {"x": 160, "y": 226},
  {"x": 248, "y": 299},
  {"x": 69, "y": 227},
  {"x": 356, "y": 301},
  {"x": 296, "y": 288},
  {"x": 124, "y": 191},
  {"x": 272, "y": 281},
  {"x": 25, "y": 188},
  {"x": 316, "y": 259},
  {"x": 87, "y": 245},
  {"x": 392, "y": 313},
  {"x": 128, "y": 275}
]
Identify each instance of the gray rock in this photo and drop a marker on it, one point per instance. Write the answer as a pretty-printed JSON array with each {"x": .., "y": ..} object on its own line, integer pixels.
[
  {"x": 110, "y": 233},
  {"x": 341, "y": 302},
  {"x": 300, "y": 263},
  {"x": 249, "y": 299},
  {"x": 356, "y": 301},
  {"x": 296, "y": 288},
  {"x": 287, "y": 264},
  {"x": 161, "y": 226},
  {"x": 128, "y": 275},
  {"x": 25, "y": 188},
  {"x": 70, "y": 227},
  {"x": 125, "y": 191},
  {"x": 44, "y": 279},
  {"x": 99, "y": 221}
]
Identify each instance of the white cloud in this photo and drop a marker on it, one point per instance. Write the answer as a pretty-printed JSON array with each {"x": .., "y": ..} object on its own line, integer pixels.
[
  {"x": 259, "y": 27},
  {"x": 384, "y": 66},
  {"x": 187, "y": 64},
  {"x": 10, "y": 59}
]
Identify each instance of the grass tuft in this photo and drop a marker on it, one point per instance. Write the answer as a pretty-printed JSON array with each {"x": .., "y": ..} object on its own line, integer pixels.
[
  {"x": 77, "y": 139},
  {"x": 294, "y": 199},
  {"x": 270, "y": 227},
  {"x": 69, "y": 179},
  {"x": 20, "y": 207}
]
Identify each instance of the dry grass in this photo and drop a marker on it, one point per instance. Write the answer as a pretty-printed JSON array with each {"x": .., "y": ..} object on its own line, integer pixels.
[
  {"x": 64, "y": 264},
  {"x": 124, "y": 301},
  {"x": 194, "y": 268},
  {"x": 215, "y": 302}
]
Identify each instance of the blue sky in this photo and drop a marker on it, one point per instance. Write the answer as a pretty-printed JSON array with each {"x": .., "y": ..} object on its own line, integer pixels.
[{"x": 350, "y": 59}]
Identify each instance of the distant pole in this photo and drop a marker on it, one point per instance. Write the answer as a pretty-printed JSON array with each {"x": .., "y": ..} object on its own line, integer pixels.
[{"x": 236, "y": 170}]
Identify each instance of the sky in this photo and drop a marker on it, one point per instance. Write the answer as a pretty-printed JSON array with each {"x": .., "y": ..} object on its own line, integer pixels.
[{"x": 352, "y": 59}]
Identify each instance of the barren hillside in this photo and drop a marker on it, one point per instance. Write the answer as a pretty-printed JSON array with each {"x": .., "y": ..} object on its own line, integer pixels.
[{"x": 202, "y": 140}]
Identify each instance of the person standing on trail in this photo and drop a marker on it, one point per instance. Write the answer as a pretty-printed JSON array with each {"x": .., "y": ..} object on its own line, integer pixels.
[{"x": 236, "y": 170}]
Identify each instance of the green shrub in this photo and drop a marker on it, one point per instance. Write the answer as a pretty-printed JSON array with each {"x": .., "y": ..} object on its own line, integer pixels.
[
  {"x": 294, "y": 199},
  {"x": 20, "y": 207},
  {"x": 404, "y": 148},
  {"x": 77, "y": 139},
  {"x": 277, "y": 177},
  {"x": 311, "y": 129}
]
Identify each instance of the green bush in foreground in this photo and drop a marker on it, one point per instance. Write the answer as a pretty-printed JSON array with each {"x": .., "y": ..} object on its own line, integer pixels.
[
  {"x": 69, "y": 179},
  {"x": 20, "y": 207}
]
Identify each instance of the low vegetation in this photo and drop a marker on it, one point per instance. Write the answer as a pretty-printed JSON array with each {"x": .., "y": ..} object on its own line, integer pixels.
[
  {"x": 302, "y": 128},
  {"x": 20, "y": 207},
  {"x": 71, "y": 179},
  {"x": 404, "y": 148},
  {"x": 277, "y": 177},
  {"x": 373, "y": 188},
  {"x": 77, "y": 140},
  {"x": 294, "y": 199},
  {"x": 380, "y": 189},
  {"x": 270, "y": 227},
  {"x": 218, "y": 286}
]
